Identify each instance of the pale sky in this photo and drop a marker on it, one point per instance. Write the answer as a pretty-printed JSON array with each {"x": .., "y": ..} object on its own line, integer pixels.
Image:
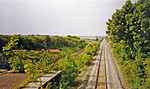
[{"x": 56, "y": 17}]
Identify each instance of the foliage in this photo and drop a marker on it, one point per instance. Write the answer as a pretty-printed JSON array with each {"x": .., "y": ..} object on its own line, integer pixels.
[
  {"x": 88, "y": 53},
  {"x": 71, "y": 67},
  {"x": 32, "y": 42},
  {"x": 37, "y": 62},
  {"x": 18, "y": 52},
  {"x": 69, "y": 72},
  {"x": 12, "y": 43},
  {"x": 96, "y": 39},
  {"x": 129, "y": 33},
  {"x": 3, "y": 40}
]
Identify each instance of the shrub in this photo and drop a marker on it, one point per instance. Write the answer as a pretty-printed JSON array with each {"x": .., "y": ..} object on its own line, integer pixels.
[{"x": 69, "y": 72}]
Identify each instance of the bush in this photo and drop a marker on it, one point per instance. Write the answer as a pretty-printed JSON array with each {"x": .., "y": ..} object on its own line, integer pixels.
[
  {"x": 16, "y": 64},
  {"x": 69, "y": 72}
]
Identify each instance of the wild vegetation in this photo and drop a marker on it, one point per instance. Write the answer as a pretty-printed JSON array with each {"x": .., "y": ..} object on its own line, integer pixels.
[
  {"x": 35, "y": 45},
  {"x": 32, "y": 42},
  {"x": 34, "y": 55},
  {"x": 129, "y": 36},
  {"x": 71, "y": 67}
]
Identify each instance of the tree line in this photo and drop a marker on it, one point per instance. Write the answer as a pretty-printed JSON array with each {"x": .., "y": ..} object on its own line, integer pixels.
[
  {"x": 129, "y": 33},
  {"x": 31, "y": 42}
]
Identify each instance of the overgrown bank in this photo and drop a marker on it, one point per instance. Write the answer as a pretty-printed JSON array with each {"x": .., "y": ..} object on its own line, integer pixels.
[
  {"x": 129, "y": 37},
  {"x": 31, "y": 42},
  {"x": 71, "y": 67},
  {"x": 42, "y": 60},
  {"x": 34, "y": 48}
]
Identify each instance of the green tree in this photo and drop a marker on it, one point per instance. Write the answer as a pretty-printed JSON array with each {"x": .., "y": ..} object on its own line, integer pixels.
[{"x": 129, "y": 31}]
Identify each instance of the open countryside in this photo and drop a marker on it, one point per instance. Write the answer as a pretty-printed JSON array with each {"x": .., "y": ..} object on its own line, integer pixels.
[{"x": 120, "y": 59}]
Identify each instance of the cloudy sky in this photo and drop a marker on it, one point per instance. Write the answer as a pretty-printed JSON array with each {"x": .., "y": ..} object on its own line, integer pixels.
[{"x": 56, "y": 17}]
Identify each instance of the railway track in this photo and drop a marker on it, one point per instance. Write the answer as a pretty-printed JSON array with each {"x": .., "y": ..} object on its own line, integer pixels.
[
  {"x": 101, "y": 75},
  {"x": 97, "y": 79},
  {"x": 77, "y": 54},
  {"x": 106, "y": 73}
]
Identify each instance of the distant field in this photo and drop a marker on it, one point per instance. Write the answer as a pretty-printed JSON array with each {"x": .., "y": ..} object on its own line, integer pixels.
[{"x": 91, "y": 37}]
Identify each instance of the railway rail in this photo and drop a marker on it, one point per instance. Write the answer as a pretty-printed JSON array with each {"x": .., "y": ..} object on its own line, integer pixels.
[
  {"x": 97, "y": 79},
  {"x": 101, "y": 75},
  {"x": 106, "y": 73},
  {"x": 78, "y": 53}
]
